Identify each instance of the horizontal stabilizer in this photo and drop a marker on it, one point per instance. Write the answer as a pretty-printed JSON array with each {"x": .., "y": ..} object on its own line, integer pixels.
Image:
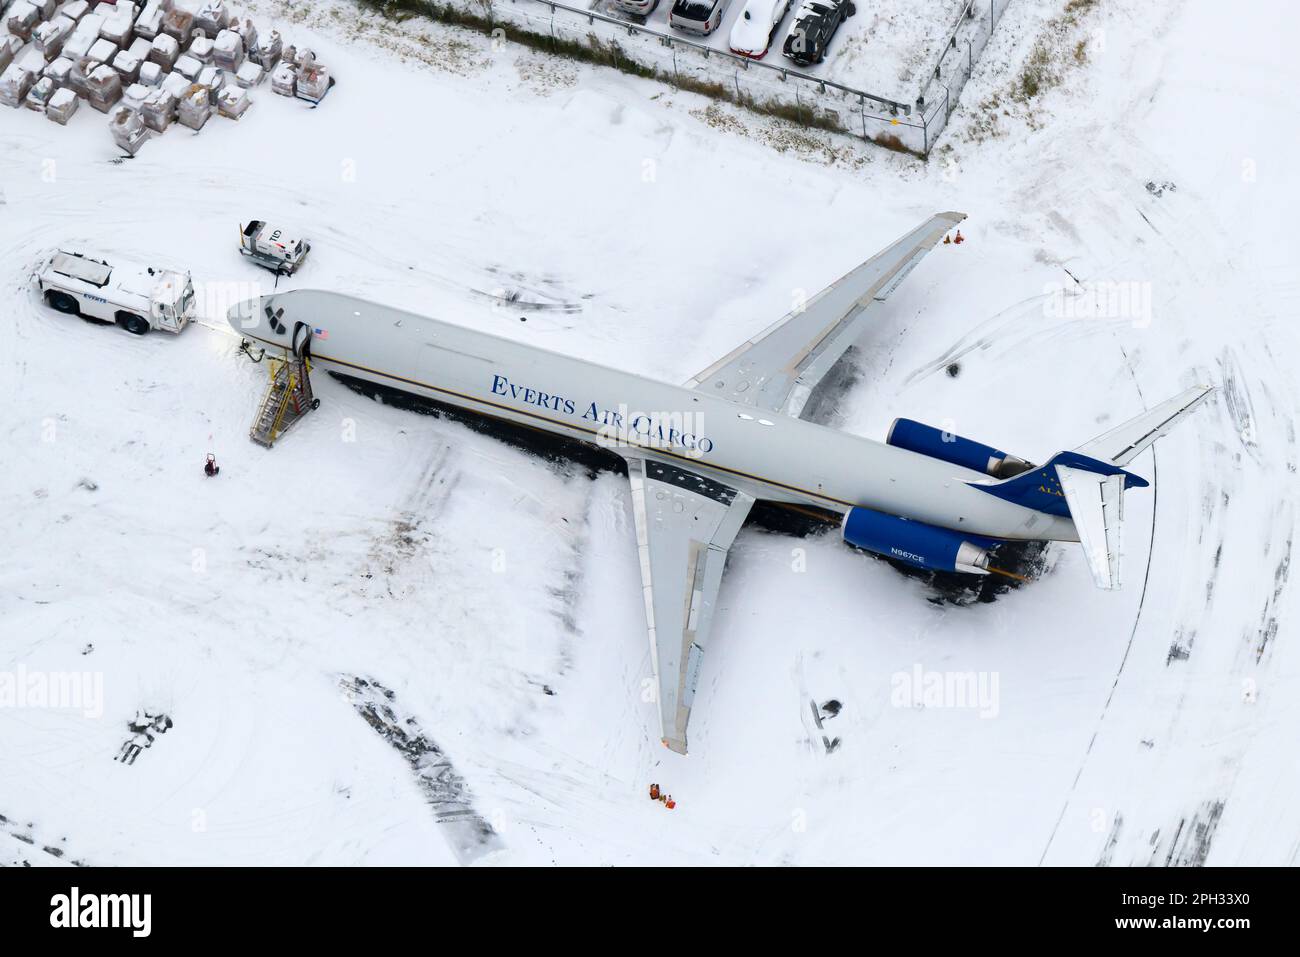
[
  {"x": 1097, "y": 508},
  {"x": 1122, "y": 444}
]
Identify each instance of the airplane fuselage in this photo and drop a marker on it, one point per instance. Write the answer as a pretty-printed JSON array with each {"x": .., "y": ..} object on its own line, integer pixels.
[{"x": 770, "y": 456}]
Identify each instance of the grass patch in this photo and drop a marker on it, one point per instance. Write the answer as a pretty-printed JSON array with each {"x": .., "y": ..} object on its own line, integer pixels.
[{"x": 1053, "y": 51}]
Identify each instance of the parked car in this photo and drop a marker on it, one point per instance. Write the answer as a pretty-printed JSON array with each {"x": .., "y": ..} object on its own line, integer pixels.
[
  {"x": 814, "y": 24},
  {"x": 753, "y": 30},
  {"x": 697, "y": 16},
  {"x": 640, "y": 8}
]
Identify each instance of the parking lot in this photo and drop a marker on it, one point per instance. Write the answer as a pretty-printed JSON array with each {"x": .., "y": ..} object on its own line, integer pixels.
[{"x": 886, "y": 48}]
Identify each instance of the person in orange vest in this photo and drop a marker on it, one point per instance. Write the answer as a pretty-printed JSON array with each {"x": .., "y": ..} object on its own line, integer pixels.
[
  {"x": 654, "y": 792},
  {"x": 670, "y": 803}
]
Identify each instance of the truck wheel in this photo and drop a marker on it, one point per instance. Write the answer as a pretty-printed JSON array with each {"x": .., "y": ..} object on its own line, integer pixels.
[
  {"x": 132, "y": 323},
  {"x": 62, "y": 302}
]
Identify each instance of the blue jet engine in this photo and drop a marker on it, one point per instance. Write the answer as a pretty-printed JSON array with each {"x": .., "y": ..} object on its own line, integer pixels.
[
  {"x": 916, "y": 543},
  {"x": 947, "y": 447}
]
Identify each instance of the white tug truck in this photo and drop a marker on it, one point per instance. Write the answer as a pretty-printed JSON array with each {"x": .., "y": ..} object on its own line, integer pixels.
[
  {"x": 137, "y": 298},
  {"x": 272, "y": 247}
]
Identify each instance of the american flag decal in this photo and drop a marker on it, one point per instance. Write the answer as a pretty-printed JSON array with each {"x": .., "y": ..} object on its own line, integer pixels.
[{"x": 321, "y": 333}]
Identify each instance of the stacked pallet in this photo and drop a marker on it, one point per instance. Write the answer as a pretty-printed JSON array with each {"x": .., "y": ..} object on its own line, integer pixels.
[{"x": 147, "y": 64}]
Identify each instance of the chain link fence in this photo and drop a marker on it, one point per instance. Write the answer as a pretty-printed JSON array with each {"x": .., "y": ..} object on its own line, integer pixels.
[{"x": 769, "y": 88}]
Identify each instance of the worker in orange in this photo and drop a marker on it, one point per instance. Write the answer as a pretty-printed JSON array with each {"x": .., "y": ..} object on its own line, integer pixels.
[{"x": 654, "y": 792}]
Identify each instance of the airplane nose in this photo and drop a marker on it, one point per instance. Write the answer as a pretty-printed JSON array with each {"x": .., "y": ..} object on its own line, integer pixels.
[{"x": 245, "y": 317}]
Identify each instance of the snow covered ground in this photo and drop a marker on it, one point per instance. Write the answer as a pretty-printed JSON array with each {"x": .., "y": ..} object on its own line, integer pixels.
[{"x": 496, "y": 595}]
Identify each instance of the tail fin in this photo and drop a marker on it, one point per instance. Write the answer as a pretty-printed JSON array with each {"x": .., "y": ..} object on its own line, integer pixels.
[{"x": 1088, "y": 484}]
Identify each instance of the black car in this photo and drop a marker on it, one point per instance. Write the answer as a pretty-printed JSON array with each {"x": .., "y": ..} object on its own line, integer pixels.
[{"x": 814, "y": 24}]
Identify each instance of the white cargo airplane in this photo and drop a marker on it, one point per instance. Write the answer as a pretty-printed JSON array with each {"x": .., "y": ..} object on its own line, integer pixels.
[{"x": 700, "y": 454}]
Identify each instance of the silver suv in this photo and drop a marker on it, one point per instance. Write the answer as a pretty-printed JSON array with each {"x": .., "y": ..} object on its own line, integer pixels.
[{"x": 697, "y": 16}]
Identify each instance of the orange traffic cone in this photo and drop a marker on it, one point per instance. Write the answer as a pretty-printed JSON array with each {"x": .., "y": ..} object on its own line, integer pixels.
[
  {"x": 947, "y": 240},
  {"x": 959, "y": 238}
]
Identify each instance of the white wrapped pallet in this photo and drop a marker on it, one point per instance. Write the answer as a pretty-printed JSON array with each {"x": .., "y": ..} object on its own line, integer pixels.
[
  {"x": 117, "y": 29},
  {"x": 247, "y": 32},
  {"x": 187, "y": 66},
  {"x": 249, "y": 75},
  {"x": 128, "y": 130},
  {"x": 176, "y": 84},
  {"x": 103, "y": 88},
  {"x": 149, "y": 24},
  {"x": 164, "y": 51},
  {"x": 50, "y": 36},
  {"x": 44, "y": 7},
  {"x": 159, "y": 110},
  {"x": 58, "y": 71},
  {"x": 31, "y": 60},
  {"x": 151, "y": 74},
  {"x": 14, "y": 84},
  {"x": 103, "y": 51},
  {"x": 195, "y": 107},
  {"x": 313, "y": 82},
  {"x": 212, "y": 17},
  {"x": 213, "y": 77},
  {"x": 39, "y": 95},
  {"x": 284, "y": 80},
  {"x": 83, "y": 37},
  {"x": 268, "y": 50},
  {"x": 232, "y": 102},
  {"x": 21, "y": 19},
  {"x": 75, "y": 10},
  {"x": 228, "y": 50},
  {"x": 9, "y": 47},
  {"x": 141, "y": 47},
  {"x": 61, "y": 106},
  {"x": 79, "y": 76},
  {"x": 127, "y": 64},
  {"x": 133, "y": 96},
  {"x": 177, "y": 23},
  {"x": 201, "y": 50}
]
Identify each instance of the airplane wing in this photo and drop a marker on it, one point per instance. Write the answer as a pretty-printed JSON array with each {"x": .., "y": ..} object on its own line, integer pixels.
[
  {"x": 684, "y": 525},
  {"x": 1097, "y": 506},
  {"x": 778, "y": 369},
  {"x": 1122, "y": 444}
]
